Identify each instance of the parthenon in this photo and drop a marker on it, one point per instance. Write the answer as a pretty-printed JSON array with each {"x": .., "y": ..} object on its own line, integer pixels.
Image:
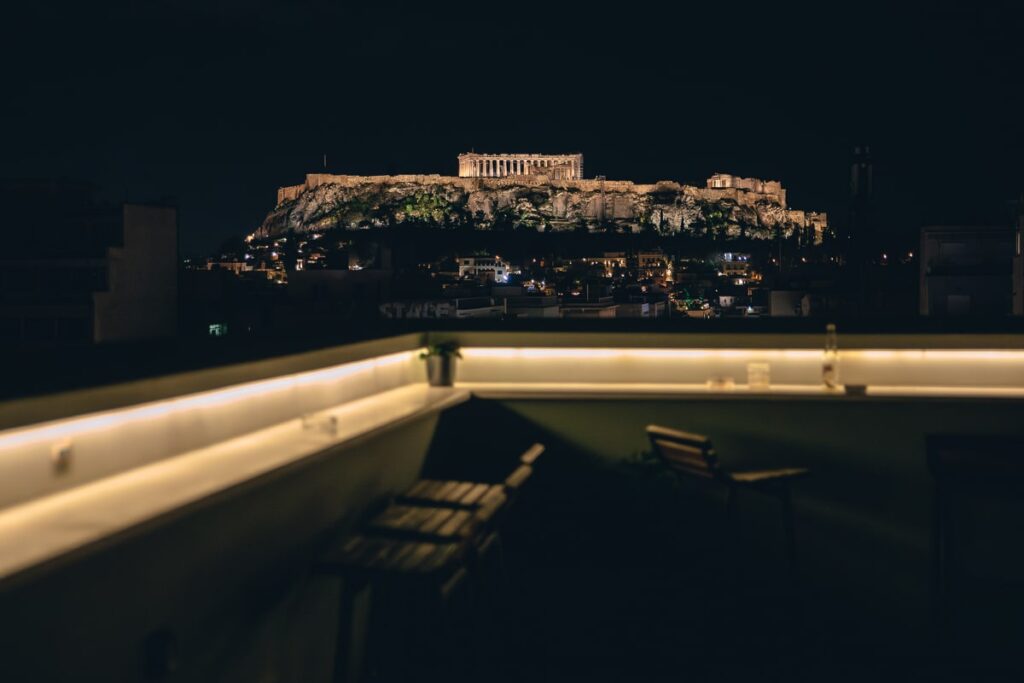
[{"x": 555, "y": 166}]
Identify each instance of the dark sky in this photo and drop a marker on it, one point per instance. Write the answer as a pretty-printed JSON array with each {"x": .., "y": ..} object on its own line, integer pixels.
[{"x": 218, "y": 102}]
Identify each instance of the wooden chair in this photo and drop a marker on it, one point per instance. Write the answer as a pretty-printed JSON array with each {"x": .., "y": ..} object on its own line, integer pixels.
[
  {"x": 972, "y": 471},
  {"x": 420, "y": 577},
  {"x": 423, "y": 546},
  {"x": 481, "y": 504},
  {"x": 465, "y": 495},
  {"x": 691, "y": 456}
]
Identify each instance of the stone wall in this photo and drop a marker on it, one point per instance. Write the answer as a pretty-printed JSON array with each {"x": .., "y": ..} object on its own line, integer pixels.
[
  {"x": 325, "y": 201},
  {"x": 314, "y": 180}
]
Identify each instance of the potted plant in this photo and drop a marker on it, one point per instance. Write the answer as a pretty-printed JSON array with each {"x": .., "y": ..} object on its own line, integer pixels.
[{"x": 440, "y": 359}]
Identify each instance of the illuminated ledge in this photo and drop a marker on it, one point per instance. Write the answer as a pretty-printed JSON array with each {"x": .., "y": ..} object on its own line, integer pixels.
[
  {"x": 620, "y": 390},
  {"x": 41, "y": 530},
  {"x": 948, "y": 392}
]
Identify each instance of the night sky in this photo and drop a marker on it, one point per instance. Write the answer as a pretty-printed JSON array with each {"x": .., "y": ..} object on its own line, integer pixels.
[{"x": 216, "y": 103}]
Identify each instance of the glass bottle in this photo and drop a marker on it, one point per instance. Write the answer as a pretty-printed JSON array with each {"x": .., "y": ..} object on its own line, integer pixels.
[{"x": 830, "y": 362}]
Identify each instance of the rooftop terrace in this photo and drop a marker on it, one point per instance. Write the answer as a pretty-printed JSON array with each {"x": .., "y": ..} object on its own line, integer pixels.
[{"x": 191, "y": 508}]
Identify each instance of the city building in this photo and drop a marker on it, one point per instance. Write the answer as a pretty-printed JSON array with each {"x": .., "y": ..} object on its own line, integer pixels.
[
  {"x": 735, "y": 265},
  {"x": 522, "y": 304},
  {"x": 967, "y": 270},
  {"x": 651, "y": 264},
  {"x": 610, "y": 261},
  {"x": 642, "y": 308},
  {"x": 489, "y": 267},
  {"x": 75, "y": 271},
  {"x": 554, "y": 166},
  {"x": 583, "y": 307},
  {"x": 786, "y": 303},
  {"x": 470, "y": 307},
  {"x": 771, "y": 188}
]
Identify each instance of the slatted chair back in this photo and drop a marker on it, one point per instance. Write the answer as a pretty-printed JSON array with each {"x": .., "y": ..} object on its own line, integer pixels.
[
  {"x": 520, "y": 475},
  {"x": 686, "y": 454},
  {"x": 531, "y": 454}
]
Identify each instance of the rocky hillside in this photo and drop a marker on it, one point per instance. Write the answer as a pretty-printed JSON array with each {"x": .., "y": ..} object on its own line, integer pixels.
[{"x": 326, "y": 202}]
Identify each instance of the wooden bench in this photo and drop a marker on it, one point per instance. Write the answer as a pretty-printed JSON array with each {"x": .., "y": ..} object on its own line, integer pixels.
[{"x": 693, "y": 456}]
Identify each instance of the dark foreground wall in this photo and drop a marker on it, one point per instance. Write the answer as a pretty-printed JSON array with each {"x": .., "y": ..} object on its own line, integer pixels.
[{"x": 224, "y": 588}]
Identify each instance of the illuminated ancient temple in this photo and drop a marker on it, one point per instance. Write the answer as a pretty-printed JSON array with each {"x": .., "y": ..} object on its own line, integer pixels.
[{"x": 554, "y": 166}]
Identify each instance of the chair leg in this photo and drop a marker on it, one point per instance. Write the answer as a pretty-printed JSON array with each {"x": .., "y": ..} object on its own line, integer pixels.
[
  {"x": 731, "y": 507},
  {"x": 787, "y": 522},
  {"x": 732, "y": 535},
  {"x": 941, "y": 569},
  {"x": 352, "y": 631}
]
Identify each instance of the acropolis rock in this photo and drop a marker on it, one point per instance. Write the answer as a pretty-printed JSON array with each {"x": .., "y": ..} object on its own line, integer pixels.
[{"x": 520, "y": 197}]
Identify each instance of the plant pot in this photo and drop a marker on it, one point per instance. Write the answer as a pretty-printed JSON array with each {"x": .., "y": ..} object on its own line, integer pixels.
[{"x": 441, "y": 370}]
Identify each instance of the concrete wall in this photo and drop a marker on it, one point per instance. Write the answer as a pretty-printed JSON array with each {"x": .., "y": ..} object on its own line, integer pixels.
[{"x": 226, "y": 583}]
